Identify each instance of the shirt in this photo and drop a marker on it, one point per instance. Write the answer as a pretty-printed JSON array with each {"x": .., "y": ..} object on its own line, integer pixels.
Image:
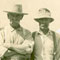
[
  {"x": 47, "y": 46},
  {"x": 14, "y": 36},
  {"x": 38, "y": 46},
  {"x": 44, "y": 46}
]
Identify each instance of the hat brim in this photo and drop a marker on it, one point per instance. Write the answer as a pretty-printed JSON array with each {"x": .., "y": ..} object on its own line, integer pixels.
[
  {"x": 39, "y": 19},
  {"x": 21, "y": 13}
]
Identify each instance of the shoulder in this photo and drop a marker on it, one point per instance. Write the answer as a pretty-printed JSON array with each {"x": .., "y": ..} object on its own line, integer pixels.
[
  {"x": 26, "y": 31},
  {"x": 2, "y": 29},
  {"x": 56, "y": 35},
  {"x": 27, "y": 34},
  {"x": 34, "y": 34}
]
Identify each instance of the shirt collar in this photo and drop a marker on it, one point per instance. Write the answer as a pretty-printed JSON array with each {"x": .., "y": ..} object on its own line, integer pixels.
[{"x": 49, "y": 32}]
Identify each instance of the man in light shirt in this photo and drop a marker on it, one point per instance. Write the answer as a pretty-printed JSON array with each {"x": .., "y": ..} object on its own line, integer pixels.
[
  {"x": 47, "y": 42},
  {"x": 16, "y": 42}
]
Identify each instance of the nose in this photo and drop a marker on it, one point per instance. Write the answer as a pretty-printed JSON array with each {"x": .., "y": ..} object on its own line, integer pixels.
[{"x": 14, "y": 18}]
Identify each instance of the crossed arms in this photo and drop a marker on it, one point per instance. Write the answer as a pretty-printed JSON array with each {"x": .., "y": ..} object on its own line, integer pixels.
[{"x": 25, "y": 48}]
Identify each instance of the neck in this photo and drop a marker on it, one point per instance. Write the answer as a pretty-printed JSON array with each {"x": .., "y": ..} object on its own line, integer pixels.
[{"x": 45, "y": 31}]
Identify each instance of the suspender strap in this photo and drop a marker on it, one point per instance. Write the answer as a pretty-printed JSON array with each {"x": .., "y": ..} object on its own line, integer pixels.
[{"x": 54, "y": 40}]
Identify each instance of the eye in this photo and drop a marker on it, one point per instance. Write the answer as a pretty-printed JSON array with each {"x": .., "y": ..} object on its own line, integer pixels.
[{"x": 18, "y": 15}]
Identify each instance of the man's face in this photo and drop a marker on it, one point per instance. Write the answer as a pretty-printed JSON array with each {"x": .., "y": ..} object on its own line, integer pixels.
[
  {"x": 14, "y": 19},
  {"x": 44, "y": 23}
]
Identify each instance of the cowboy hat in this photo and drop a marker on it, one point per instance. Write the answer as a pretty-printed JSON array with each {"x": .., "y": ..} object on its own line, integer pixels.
[
  {"x": 43, "y": 13},
  {"x": 17, "y": 8}
]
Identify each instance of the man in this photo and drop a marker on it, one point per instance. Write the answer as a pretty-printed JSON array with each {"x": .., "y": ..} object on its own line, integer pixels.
[
  {"x": 16, "y": 43},
  {"x": 47, "y": 42}
]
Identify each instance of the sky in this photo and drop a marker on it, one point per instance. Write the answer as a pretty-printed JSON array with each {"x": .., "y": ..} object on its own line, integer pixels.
[{"x": 31, "y": 7}]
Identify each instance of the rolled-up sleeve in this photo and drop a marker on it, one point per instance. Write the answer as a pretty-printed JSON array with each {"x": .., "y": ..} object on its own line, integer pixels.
[{"x": 2, "y": 48}]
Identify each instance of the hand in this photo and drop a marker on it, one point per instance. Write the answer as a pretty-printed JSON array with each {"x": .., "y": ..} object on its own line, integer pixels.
[
  {"x": 29, "y": 46},
  {"x": 29, "y": 50}
]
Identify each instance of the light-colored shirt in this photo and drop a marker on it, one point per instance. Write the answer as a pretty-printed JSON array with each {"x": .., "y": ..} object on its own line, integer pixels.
[
  {"x": 47, "y": 46},
  {"x": 14, "y": 36},
  {"x": 44, "y": 46}
]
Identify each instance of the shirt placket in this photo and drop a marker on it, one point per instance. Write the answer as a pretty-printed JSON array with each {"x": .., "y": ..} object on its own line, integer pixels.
[{"x": 43, "y": 47}]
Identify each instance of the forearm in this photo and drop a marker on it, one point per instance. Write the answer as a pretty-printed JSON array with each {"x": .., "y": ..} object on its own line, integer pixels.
[
  {"x": 18, "y": 48},
  {"x": 25, "y": 48},
  {"x": 14, "y": 49},
  {"x": 9, "y": 53}
]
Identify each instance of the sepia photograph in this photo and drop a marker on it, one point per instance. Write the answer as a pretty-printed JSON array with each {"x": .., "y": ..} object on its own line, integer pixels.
[{"x": 29, "y": 29}]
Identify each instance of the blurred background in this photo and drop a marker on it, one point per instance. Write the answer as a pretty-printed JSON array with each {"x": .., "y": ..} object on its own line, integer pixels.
[{"x": 31, "y": 7}]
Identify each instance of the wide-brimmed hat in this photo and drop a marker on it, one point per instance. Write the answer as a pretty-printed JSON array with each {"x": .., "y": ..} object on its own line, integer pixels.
[
  {"x": 43, "y": 13},
  {"x": 17, "y": 8}
]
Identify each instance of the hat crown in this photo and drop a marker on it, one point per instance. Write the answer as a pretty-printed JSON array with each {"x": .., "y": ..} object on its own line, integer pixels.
[
  {"x": 16, "y": 8},
  {"x": 44, "y": 12}
]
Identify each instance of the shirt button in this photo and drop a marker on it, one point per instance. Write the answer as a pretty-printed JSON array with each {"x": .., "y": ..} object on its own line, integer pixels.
[{"x": 54, "y": 53}]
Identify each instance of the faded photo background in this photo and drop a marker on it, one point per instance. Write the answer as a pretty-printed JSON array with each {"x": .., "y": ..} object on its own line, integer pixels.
[{"x": 31, "y": 7}]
